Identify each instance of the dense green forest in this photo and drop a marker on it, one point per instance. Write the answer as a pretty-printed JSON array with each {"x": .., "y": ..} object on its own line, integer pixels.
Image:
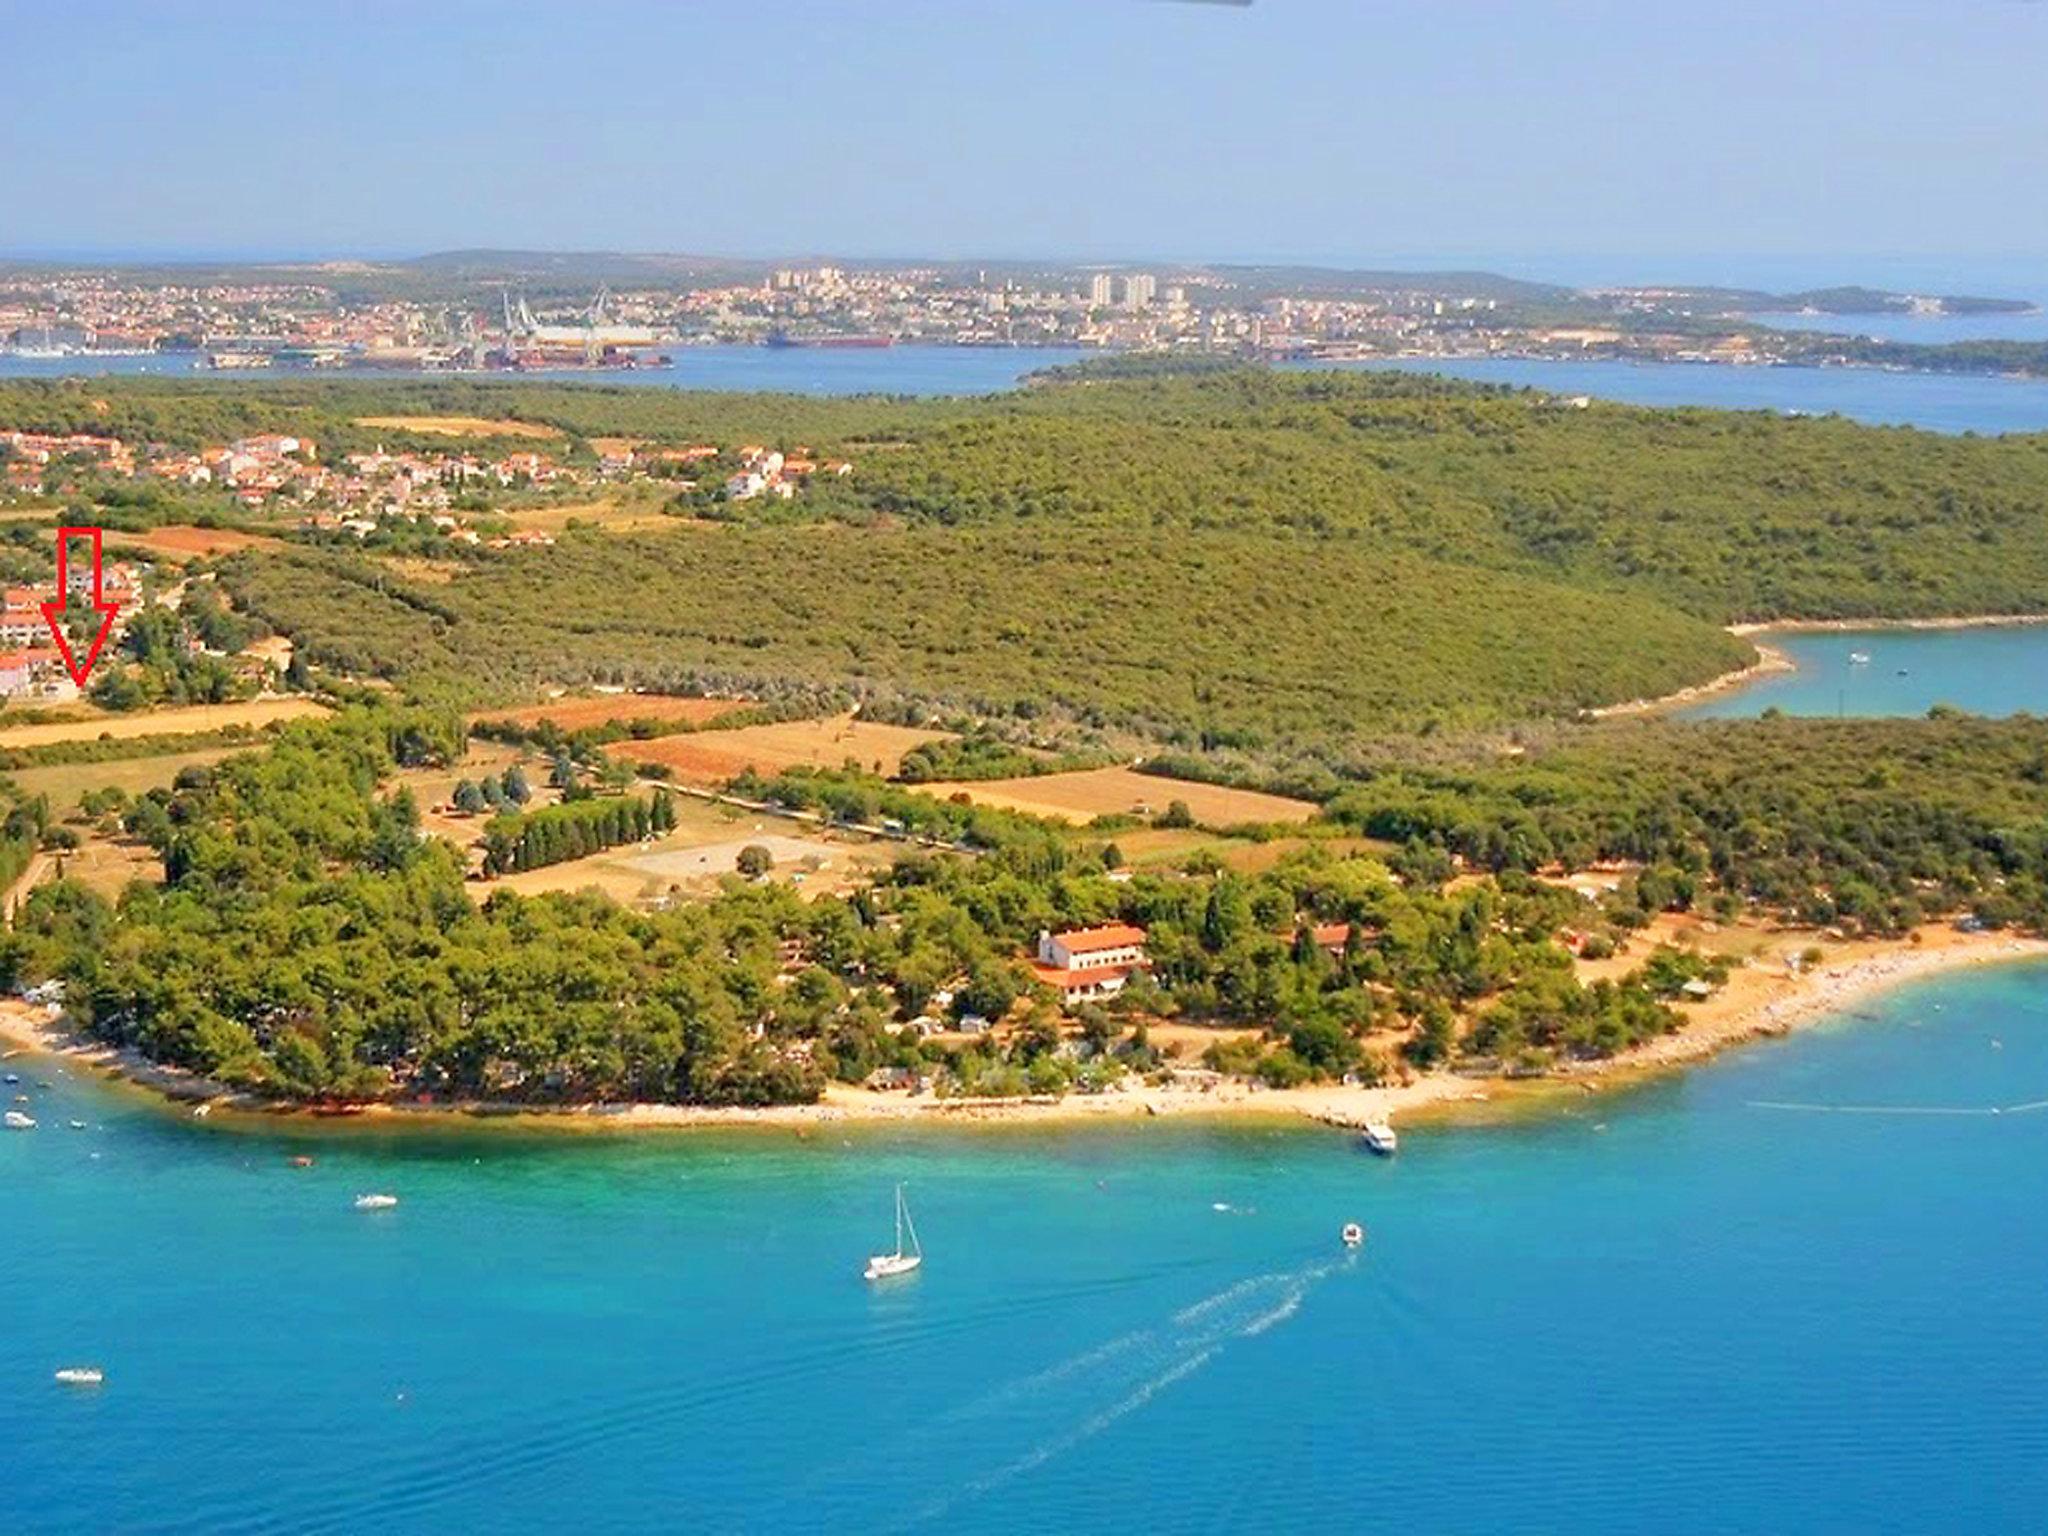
[
  {"x": 1729, "y": 515},
  {"x": 1235, "y": 638},
  {"x": 306, "y": 941},
  {"x": 1285, "y": 560},
  {"x": 1876, "y": 824},
  {"x": 1369, "y": 583}
]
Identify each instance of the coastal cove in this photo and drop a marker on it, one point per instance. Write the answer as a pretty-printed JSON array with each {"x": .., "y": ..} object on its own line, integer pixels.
[
  {"x": 551, "y": 1322},
  {"x": 1985, "y": 667}
]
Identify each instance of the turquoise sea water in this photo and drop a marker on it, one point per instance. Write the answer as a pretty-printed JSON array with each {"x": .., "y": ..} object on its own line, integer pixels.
[
  {"x": 1689, "y": 1308},
  {"x": 1987, "y": 671}
]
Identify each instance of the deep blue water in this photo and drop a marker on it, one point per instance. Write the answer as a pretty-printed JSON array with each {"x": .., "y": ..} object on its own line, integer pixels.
[
  {"x": 786, "y": 370},
  {"x": 1938, "y": 402},
  {"x": 1987, "y": 671},
  {"x": 1674, "y": 1311}
]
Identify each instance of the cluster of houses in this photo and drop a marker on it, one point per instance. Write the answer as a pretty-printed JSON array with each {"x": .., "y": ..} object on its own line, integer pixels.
[
  {"x": 30, "y": 455},
  {"x": 31, "y": 667},
  {"x": 768, "y": 472},
  {"x": 281, "y": 467},
  {"x": 356, "y": 493}
]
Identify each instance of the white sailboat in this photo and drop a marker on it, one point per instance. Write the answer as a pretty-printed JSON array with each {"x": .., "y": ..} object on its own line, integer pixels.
[{"x": 884, "y": 1266}]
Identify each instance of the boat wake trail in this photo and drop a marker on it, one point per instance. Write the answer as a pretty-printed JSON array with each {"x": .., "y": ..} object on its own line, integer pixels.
[
  {"x": 2032, "y": 1107},
  {"x": 1039, "y": 1418}
]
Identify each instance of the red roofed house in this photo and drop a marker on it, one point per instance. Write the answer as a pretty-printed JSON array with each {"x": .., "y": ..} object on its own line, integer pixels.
[{"x": 1085, "y": 963}]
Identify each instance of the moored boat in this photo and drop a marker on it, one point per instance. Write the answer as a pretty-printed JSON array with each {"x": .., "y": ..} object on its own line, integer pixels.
[
  {"x": 885, "y": 1266},
  {"x": 375, "y": 1202},
  {"x": 17, "y": 1121},
  {"x": 1379, "y": 1137}
]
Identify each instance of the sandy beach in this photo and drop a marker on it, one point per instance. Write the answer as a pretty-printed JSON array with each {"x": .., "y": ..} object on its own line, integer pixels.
[
  {"x": 1766, "y": 995},
  {"x": 1771, "y": 659},
  {"x": 1846, "y": 626}
]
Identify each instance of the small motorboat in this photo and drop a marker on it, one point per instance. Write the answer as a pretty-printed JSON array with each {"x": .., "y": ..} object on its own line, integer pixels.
[
  {"x": 1859, "y": 658},
  {"x": 375, "y": 1202},
  {"x": 81, "y": 1376},
  {"x": 1379, "y": 1137},
  {"x": 77, "y": 1125},
  {"x": 302, "y": 1161},
  {"x": 202, "y": 1111},
  {"x": 886, "y": 1266},
  {"x": 1353, "y": 1235},
  {"x": 17, "y": 1121},
  {"x": 12, "y": 1077}
]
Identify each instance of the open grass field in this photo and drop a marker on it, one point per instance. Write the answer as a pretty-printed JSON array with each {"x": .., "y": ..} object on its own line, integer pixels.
[
  {"x": 159, "y": 722},
  {"x": 184, "y": 541},
  {"x": 66, "y": 782},
  {"x": 1081, "y": 797},
  {"x": 1168, "y": 847},
  {"x": 576, "y": 714},
  {"x": 460, "y": 426},
  {"x": 107, "y": 867},
  {"x": 702, "y": 850},
  {"x": 434, "y": 788},
  {"x": 713, "y": 757}
]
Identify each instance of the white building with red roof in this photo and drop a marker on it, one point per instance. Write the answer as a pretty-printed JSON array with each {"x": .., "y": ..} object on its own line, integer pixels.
[{"x": 1083, "y": 964}]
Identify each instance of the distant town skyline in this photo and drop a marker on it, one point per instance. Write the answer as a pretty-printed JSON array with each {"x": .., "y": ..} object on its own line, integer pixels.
[{"x": 1892, "y": 143}]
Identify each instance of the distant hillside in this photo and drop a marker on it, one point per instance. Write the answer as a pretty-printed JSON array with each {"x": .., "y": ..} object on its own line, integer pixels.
[{"x": 1292, "y": 558}]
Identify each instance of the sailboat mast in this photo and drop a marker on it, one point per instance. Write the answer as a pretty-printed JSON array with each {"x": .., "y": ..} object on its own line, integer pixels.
[{"x": 903, "y": 1220}]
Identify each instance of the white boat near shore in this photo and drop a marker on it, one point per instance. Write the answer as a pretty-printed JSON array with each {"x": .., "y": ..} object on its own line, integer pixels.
[
  {"x": 17, "y": 1121},
  {"x": 886, "y": 1266},
  {"x": 1378, "y": 1136}
]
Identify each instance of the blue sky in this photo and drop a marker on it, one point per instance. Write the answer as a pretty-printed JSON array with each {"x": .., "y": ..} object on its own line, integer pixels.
[{"x": 1586, "y": 139}]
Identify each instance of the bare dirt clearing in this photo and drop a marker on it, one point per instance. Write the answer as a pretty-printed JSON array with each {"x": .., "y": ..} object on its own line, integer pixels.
[
  {"x": 576, "y": 714},
  {"x": 713, "y": 757},
  {"x": 177, "y": 541},
  {"x": 460, "y": 426}
]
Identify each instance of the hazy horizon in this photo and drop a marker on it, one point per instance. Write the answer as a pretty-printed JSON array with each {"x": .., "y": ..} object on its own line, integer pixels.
[
  {"x": 2020, "y": 276},
  {"x": 1696, "y": 145}
]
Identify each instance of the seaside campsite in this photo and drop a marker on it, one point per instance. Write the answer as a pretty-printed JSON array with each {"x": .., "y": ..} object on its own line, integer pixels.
[{"x": 788, "y": 767}]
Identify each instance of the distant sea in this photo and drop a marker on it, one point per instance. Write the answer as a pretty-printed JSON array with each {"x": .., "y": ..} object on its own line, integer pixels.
[
  {"x": 1798, "y": 1290},
  {"x": 1986, "y": 670},
  {"x": 1940, "y": 403},
  {"x": 903, "y": 370}
]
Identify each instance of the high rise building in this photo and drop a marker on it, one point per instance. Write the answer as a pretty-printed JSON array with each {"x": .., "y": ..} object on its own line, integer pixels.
[
  {"x": 1138, "y": 290},
  {"x": 1101, "y": 291}
]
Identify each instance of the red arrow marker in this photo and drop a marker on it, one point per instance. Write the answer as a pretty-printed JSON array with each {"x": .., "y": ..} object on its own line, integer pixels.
[{"x": 54, "y": 610}]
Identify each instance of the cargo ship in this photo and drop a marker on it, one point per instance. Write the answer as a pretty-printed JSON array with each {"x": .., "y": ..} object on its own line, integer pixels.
[{"x": 784, "y": 339}]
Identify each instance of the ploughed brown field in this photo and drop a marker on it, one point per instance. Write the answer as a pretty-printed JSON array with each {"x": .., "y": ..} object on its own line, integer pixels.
[
  {"x": 581, "y": 713},
  {"x": 1081, "y": 797},
  {"x": 460, "y": 426},
  {"x": 712, "y": 757},
  {"x": 178, "y": 539}
]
